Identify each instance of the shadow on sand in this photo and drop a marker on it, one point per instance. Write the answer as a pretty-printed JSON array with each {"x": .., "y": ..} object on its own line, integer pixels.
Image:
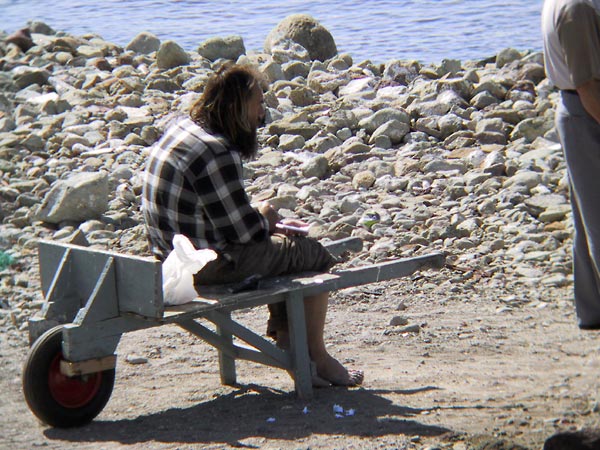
[{"x": 249, "y": 412}]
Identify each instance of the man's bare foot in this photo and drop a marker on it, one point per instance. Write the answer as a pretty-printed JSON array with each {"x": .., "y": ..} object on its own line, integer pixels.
[
  {"x": 331, "y": 369},
  {"x": 317, "y": 381}
]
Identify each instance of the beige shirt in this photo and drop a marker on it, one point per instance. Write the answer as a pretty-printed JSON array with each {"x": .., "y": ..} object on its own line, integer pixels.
[{"x": 571, "y": 33}]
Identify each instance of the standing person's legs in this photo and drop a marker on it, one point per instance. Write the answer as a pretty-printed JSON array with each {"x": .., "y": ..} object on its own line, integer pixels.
[
  {"x": 585, "y": 270},
  {"x": 580, "y": 137}
]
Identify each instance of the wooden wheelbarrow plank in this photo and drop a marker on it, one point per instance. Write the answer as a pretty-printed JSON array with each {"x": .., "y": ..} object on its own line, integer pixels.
[{"x": 275, "y": 289}]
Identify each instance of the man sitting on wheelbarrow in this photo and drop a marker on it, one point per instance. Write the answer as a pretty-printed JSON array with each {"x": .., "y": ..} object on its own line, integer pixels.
[{"x": 194, "y": 186}]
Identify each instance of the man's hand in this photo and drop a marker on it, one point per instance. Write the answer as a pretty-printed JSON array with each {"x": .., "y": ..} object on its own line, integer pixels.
[
  {"x": 267, "y": 210},
  {"x": 293, "y": 227}
]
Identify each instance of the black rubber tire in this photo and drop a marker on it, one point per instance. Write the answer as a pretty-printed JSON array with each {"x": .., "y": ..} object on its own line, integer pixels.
[{"x": 61, "y": 401}]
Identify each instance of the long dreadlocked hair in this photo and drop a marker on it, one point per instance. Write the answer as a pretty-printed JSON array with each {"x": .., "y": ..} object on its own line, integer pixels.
[{"x": 223, "y": 106}]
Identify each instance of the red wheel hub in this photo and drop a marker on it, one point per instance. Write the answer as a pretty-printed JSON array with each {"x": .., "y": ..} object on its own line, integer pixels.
[{"x": 72, "y": 392}]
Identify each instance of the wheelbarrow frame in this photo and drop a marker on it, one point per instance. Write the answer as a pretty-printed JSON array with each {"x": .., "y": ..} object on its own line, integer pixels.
[{"x": 96, "y": 296}]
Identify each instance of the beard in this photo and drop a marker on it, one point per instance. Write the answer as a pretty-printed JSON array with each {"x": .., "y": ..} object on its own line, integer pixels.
[{"x": 247, "y": 143}]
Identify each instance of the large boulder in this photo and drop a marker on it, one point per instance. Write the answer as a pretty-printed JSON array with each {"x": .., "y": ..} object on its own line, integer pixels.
[
  {"x": 38, "y": 27},
  {"x": 144, "y": 43},
  {"x": 171, "y": 55},
  {"x": 79, "y": 198},
  {"x": 230, "y": 47},
  {"x": 306, "y": 31},
  {"x": 24, "y": 76}
]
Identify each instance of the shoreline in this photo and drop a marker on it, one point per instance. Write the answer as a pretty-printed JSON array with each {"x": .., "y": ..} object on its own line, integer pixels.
[{"x": 357, "y": 39}]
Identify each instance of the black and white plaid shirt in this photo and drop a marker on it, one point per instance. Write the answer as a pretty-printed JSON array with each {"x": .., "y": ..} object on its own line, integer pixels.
[{"x": 193, "y": 185}]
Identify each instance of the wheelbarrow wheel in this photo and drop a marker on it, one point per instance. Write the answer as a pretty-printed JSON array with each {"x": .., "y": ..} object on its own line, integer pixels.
[{"x": 56, "y": 399}]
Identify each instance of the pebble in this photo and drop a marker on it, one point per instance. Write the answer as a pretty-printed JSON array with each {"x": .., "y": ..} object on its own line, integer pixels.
[
  {"x": 398, "y": 321},
  {"x": 136, "y": 359}
]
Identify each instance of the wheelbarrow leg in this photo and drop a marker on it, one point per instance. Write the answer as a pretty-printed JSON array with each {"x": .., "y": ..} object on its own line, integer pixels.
[
  {"x": 226, "y": 363},
  {"x": 299, "y": 345}
]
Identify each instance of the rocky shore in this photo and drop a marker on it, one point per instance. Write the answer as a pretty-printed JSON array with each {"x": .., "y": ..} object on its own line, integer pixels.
[{"x": 460, "y": 157}]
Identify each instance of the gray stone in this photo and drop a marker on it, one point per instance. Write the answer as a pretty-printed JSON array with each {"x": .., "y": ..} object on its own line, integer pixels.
[
  {"x": 350, "y": 204},
  {"x": 556, "y": 280},
  {"x": 493, "y": 87},
  {"x": 38, "y": 27},
  {"x": 286, "y": 50},
  {"x": 541, "y": 202},
  {"x": 483, "y": 99},
  {"x": 230, "y": 47},
  {"x": 441, "y": 165},
  {"x": 398, "y": 321},
  {"x": 304, "y": 129},
  {"x": 449, "y": 67},
  {"x": 491, "y": 137},
  {"x": 428, "y": 108},
  {"x": 371, "y": 123},
  {"x": 343, "y": 118},
  {"x": 415, "y": 137},
  {"x": 164, "y": 84},
  {"x": 532, "y": 128},
  {"x": 284, "y": 202},
  {"x": 90, "y": 51},
  {"x": 303, "y": 96},
  {"x": 525, "y": 178},
  {"x": 323, "y": 82},
  {"x": 554, "y": 213},
  {"x": 295, "y": 69},
  {"x": 409, "y": 329},
  {"x": 493, "y": 125},
  {"x": 362, "y": 87},
  {"x": 401, "y": 72},
  {"x": 79, "y": 198},
  {"x": 289, "y": 142},
  {"x": 33, "y": 142},
  {"x": 26, "y": 76},
  {"x": 322, "y": 142},
  {"x": 7, "y": 124},
  {"x": 428, "y": 125},
  {"x": 171, "y": 55},
  {"x": 507, "y": 56},
  {"x": 340, "y": 62},
  {"x": 355, "y": 147},
  {"x": 144, "y": 43},
  {"x": 393, "y": 129},
  {"x": 272, "y": 71},
  {"x": 306, "y": 31},
  {"x": 463, "y": 88},
  {"x": 449, "y": 124},
  {"x": 316, "y": 167}
]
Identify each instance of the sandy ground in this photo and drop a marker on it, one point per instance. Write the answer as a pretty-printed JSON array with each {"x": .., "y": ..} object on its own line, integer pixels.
[{"x": 491, "y": 368}]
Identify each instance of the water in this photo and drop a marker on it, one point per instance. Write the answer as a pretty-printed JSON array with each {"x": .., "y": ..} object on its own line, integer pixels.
[{"x": 380, "y": 30}]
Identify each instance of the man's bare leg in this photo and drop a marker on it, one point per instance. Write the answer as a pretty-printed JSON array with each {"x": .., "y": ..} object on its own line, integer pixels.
[{"x": 328, "y": 367}]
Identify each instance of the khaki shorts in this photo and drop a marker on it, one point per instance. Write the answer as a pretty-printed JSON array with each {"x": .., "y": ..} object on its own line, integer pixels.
[{"x": 279, "y": 255}]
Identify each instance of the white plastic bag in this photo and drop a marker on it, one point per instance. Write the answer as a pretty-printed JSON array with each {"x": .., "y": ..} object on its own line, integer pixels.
[{"x": 179, "y": 268}]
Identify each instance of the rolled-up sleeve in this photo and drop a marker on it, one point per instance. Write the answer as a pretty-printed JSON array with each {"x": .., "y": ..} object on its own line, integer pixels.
[
  {"x": 578, "y": 30},
  {"x": 225, "y": 202}
]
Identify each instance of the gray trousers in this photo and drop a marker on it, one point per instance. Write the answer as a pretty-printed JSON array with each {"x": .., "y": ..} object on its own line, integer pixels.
[{"x": 580, "y": 138}]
